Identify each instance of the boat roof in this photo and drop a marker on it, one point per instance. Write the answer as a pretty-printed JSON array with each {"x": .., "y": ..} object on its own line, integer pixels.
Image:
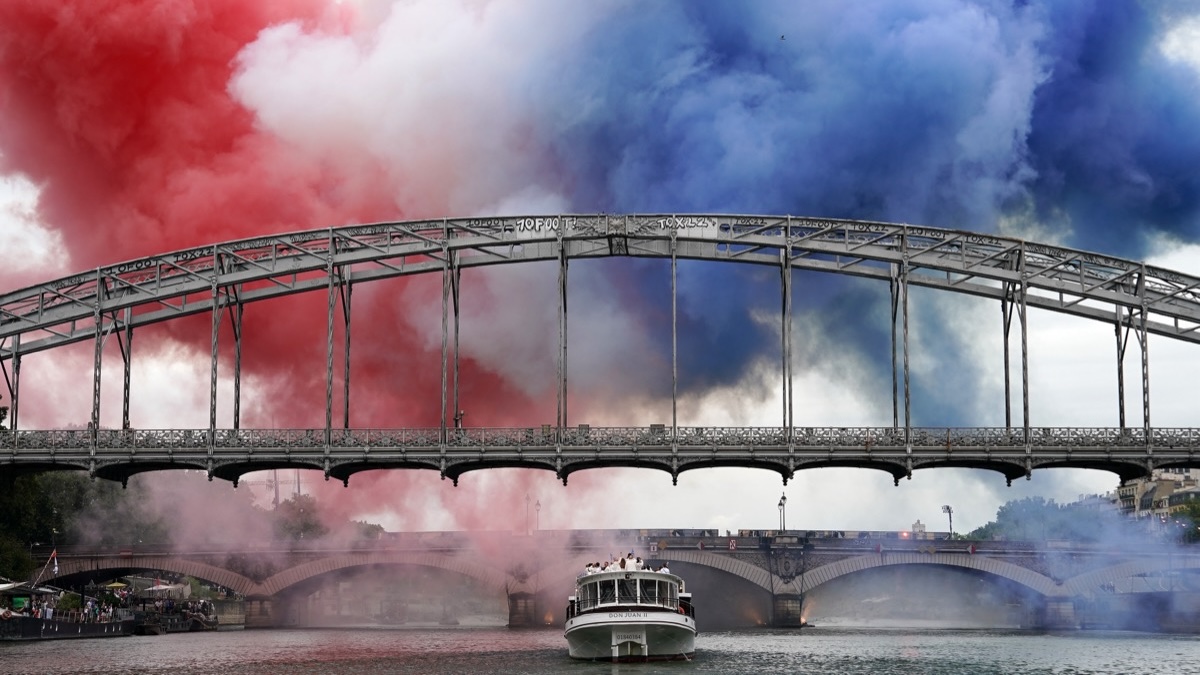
[{"x": 629, "y": 574}]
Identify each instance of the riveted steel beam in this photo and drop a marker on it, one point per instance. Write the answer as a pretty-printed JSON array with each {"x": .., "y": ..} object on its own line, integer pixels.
[
  {"x": 13, "y": 382},
  {"x": 126, "y": 346}
]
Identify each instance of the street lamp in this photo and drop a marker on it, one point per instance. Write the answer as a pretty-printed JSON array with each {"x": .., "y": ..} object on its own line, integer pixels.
[
  {"x": 949, "y": 511},
  {"x": 537, "y": 510},
  {"x": 783, "y": 513}
]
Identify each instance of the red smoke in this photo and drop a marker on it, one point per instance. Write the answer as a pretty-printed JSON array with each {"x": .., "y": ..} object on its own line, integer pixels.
[{"x": 120, "y": 112}]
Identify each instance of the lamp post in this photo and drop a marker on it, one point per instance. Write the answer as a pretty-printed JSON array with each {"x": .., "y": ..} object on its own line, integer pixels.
[
  {"x": 537, "y": 514},
  {"x": 949, "y": 511},
  {"x": 783, "y": 513}
]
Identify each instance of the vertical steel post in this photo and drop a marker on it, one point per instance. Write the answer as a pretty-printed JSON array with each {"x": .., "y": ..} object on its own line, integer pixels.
[
  {"x": 562, "y": 332},
  {"x": 1024, "y": 317},
  {"x": 13, "y": 384},
  {"x": 15, "y": 392},
  {"x": 216, "y": 331},
  {"x": 1144, "y": 339},
  {"x": 1006, "y": 315},
  {"x": 455, "y": 281},
  {"x": 347, "y": 289},
  {"x": 1122, "y": 343},
  {"x": 904, "y": 307},
  {"x": 445, "y": 322},
  {"x": 126, "y": 346},
  {"x": 235, "y": 318},
  {"x": 331, "y": 274},
  {"x": 674, "y": 335},
  {"x": 786, "y": 271},
  {"x": 894, "y": 293},
  {"x": 98, "y": 318}
]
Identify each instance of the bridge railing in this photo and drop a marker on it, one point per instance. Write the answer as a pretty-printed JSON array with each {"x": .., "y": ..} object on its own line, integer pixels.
[{"x": 600, "y": 438}]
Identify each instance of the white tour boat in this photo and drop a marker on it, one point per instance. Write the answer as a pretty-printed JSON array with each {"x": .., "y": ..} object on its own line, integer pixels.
[{"x": 630, "y": 615}]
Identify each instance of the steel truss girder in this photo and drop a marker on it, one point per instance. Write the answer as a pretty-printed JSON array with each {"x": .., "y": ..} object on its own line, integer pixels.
[
  {"x": 228, "y": 454},
  {"x": 163, "y": 287}
]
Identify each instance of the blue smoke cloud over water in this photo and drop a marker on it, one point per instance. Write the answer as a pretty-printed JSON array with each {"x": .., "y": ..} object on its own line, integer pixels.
[{"x": 1056, "y": 117}]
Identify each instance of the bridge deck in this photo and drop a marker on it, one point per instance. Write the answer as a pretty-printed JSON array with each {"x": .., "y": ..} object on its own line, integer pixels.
[{"x": 228, "y": 454}]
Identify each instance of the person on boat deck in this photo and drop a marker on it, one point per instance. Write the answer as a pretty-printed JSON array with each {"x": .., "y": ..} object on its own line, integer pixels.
[
  {"x": 664, "y": 569},
  {"x": 638, "y": 564},
  {"x": 621, "y": 564}
]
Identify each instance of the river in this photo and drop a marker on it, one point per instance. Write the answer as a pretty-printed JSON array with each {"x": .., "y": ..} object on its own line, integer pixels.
[{"x": 500, "y": 650}]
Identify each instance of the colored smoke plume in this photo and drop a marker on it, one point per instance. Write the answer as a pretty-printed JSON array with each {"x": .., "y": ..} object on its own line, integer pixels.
[{"x": 150, "y": 126}]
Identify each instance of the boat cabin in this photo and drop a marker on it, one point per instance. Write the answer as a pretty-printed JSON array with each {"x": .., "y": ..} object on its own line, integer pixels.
[{"x": 629, "y": 589}]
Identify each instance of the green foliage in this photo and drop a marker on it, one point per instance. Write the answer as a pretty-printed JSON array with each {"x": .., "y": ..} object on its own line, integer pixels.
[
  {"x": 198, "y": 590},
  {"x": 368, "y": 530},
  {"x": 15, "y": 561},
  {"x": 299, "y": 518},
  {"x": 69, "y": 601},
  {"x": 1189, "y": 520},
  {"x": 63, "y": 508},
  {"x": 1035, "y": 518}
]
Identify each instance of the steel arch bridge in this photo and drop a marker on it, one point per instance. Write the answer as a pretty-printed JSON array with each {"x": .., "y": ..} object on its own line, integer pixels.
[{"x": 220, "y": 279}]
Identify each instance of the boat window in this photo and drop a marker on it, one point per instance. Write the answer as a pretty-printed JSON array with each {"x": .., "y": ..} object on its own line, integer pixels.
[
  {"x": 649, "y": 591},
  {"x": 587, "y": 596},
  {"x": 627, "y": 590},
  {"x": 607, "y": 591}
]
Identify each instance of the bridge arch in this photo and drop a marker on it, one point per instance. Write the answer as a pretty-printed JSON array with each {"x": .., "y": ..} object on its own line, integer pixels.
[
  {"x": 1039, "y": 583},
  {"x": 568, "y": 570},
  {"x": 225, "y": 276},
  {"x": 166, "y": 563},
  {"x": 493, "y": 578},
  {"x": 1088, "y": 582}
]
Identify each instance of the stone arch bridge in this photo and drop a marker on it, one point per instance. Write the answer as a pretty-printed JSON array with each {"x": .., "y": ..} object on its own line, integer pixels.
[{"x": 781, "y": 567}]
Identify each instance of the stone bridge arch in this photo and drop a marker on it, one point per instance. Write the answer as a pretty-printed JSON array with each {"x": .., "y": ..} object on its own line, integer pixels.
[
  {"x": 1037, "y": 582},
  {"x": 164, "y": 563},
  {"x": 1087, "y": 583},
  {"x": 493, "y": 578},
  {"x": 568, "y": 570}
]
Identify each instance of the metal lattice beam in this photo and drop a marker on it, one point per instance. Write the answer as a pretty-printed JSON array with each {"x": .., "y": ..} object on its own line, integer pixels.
[{"x": 163, "y": 287}]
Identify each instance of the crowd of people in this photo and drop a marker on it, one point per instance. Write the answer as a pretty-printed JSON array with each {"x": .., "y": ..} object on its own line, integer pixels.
[
  {"x": 45, "y": 607},
  {"x": 628, "y": 563}
]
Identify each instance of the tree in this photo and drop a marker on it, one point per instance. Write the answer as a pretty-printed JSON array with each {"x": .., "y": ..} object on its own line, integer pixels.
[
  {"x": 368, "y": 530},
  {"x": 1039, "y": 518},
  {"x": 1189, "y": 519},
  {"x": 299, "y": 518}
]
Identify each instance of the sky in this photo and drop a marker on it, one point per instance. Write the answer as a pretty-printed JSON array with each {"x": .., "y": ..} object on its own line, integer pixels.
[{"x": 139, "y": 127}]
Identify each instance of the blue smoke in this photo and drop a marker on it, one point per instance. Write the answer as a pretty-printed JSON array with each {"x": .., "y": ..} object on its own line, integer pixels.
[{"x": 1061, "y": 115}]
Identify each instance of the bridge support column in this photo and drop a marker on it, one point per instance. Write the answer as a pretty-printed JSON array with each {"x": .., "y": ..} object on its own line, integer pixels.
[
  {"x": 523, "y": 610},
  {"x": 259, "y": 613},
  {"x": 787, "y": 610},
  {"x": 1059, "y": 614}
]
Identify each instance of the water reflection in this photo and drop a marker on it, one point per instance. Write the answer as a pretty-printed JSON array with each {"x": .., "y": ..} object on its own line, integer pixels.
[{"x": 478, "y": 650}]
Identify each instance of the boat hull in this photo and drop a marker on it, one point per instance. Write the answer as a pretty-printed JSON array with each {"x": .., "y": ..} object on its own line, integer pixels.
[
  {"x": 631, "y": 636},
  {"x": 30, "y": 628}
]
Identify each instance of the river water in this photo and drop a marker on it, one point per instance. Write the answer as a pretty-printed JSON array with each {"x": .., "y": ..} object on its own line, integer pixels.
[{"x": 500, "y": 650}]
